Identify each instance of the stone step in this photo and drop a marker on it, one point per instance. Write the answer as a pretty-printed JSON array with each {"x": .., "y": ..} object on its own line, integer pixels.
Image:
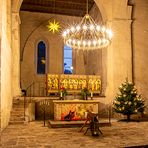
[
  {"x": 18, "y": 109},
  {"x": 17, "y": 122},
  {"x": 17, "y": 115},
  {"x": 17, "y": 112},
  {"x": 16, "y": 119},
  {"x": 18, "y": 105},
  {"x": 63, "y": 124}
]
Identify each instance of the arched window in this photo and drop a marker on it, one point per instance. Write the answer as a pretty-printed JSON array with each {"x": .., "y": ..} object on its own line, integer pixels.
[
  {"x": 68, "y": 68},
  {"x": 41, "y": 58}
]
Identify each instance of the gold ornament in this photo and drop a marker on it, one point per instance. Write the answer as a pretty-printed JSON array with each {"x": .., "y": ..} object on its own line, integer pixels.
[{"x": 53, "y": 26}]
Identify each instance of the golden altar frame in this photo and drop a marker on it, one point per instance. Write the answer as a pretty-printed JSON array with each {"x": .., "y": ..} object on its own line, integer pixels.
[{"x": 72, "y": 83}]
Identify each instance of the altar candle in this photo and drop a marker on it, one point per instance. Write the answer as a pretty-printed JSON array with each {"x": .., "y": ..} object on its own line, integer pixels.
[
  {"x": 61, "y": 94},
  {"x": 91, "y": 95}
]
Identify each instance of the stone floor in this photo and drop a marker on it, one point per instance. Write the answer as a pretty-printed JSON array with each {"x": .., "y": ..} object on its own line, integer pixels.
[{"x": 35, "y": 135}]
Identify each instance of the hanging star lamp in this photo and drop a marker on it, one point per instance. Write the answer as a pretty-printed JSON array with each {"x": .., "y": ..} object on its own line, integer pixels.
[
  {"x": 53, "y": 26},
  {"x": 87, "y": 35}
]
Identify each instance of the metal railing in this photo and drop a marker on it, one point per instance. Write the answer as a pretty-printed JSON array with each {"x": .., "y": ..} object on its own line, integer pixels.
[{"x": 36, "y": 89}]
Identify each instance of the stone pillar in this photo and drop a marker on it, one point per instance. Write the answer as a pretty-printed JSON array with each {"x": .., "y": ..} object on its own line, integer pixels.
[
  {"x": 16, "y": 54},
  {"x": 119, "y": 56}
]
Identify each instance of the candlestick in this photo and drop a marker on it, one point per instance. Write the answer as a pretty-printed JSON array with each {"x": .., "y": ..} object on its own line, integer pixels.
[{"x": 91, "y": 95}]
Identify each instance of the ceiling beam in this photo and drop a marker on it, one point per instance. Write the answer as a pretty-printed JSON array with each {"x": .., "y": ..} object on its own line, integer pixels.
[
  {"x": 45, "y": 9},
  {"x": 77, "y": 2}
]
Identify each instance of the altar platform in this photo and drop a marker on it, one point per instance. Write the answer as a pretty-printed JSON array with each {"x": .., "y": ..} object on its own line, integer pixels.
[{"x": 70, "y": 124}]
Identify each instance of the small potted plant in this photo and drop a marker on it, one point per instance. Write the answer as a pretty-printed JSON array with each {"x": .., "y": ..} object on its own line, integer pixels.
[{"x": 84, "y": 93}]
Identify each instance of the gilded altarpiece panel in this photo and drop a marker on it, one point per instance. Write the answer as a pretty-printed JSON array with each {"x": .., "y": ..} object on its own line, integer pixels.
[{"x": 73, "y": 83}]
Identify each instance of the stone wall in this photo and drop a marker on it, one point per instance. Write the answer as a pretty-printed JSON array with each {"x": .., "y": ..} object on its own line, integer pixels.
[
  {"x": 34, "y": 29},
  {"x": 5, "y": 57}
]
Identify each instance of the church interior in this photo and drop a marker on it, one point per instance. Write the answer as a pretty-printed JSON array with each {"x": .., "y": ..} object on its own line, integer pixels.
[{"x": 73, "y": 67}]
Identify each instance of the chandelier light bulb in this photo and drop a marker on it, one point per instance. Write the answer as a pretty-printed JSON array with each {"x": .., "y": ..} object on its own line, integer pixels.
[
  {"x": 98, "y": 28},
  {"x": 78, "y": 28},
  {"x": 99, "y": 41},
  {"x": 73, "y": 41},
  {"x": 85, "y": 27},
  {"x": 94, "y": 42},
  {"x": 72, "y": 29},
  {"x": 89, "y": 43},
  {"x": 67, "y": 31},
  {"x": 69, "y": 40},
  {"x": 104, "y": 41},
  {"x": 84, "y": 43},
  {"x": 110, "y": 34},
  {"x": 103, "y": 29},
  {"x": 64, "y": 34},
  {"x": 91, "y": 27},
  {"x": 79, "y": 42}
]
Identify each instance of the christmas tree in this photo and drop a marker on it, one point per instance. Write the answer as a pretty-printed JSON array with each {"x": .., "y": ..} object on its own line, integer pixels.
[{"x": 128, "y": 102}]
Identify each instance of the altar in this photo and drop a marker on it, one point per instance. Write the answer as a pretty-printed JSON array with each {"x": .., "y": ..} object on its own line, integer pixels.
[{"x": 74, "y": 110}]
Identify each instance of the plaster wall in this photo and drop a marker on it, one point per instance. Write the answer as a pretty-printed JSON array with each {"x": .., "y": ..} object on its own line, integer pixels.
[{"x": 34, "y": 29}]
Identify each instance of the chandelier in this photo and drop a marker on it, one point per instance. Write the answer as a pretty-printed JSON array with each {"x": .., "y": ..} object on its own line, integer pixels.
[{"x": 87, "y": 34}]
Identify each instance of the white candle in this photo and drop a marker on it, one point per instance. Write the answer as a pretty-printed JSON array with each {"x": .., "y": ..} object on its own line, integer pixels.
[
  {"x": 61, "y": 94},
  {"x": 91, "y": 95}
]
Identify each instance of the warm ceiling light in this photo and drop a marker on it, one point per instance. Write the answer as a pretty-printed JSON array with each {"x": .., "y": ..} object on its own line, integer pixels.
[{"x": 87, "y": 34}]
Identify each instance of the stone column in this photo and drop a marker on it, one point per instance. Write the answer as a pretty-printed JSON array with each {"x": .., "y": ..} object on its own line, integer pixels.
[
  {"x": 16, "y": 54},
  {"x": 119, "y": 56}
]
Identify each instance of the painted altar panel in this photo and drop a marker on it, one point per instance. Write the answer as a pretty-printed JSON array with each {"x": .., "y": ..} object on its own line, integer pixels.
[
  {"x": 94, "y": 83},
  {"x": 73, "y": 111},
  {"x": 52, "y": 83},
  {"x": 73, "y": 82}
]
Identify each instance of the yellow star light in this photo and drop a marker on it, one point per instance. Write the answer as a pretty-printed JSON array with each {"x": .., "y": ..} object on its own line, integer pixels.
[{"x": 53, "y": 26}]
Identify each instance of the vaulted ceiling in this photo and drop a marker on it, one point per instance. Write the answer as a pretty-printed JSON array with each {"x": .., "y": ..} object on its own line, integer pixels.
[{"x": 64, "y": 7}]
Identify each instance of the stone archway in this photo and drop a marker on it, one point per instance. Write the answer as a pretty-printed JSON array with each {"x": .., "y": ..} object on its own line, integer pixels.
[{"x": 117, "y": 15}]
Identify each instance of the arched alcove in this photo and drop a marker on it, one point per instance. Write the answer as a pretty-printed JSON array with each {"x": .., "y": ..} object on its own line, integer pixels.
[
  {"x": 96, "y": 67},
  {"x": 110, "y": 11}
]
